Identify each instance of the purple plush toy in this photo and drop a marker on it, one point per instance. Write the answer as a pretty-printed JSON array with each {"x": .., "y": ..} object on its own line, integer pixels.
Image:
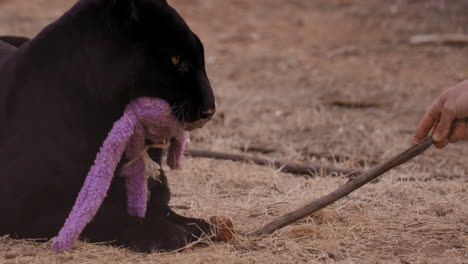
[{"x": 144, "y": 118}]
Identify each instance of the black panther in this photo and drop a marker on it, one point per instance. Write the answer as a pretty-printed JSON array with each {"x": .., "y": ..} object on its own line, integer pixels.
[
  {"x": 61, "y": 92},
  {"x": 16, "y": 41}
]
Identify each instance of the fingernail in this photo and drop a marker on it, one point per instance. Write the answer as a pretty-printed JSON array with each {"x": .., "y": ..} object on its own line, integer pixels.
[{"x": 436, "y": 136}]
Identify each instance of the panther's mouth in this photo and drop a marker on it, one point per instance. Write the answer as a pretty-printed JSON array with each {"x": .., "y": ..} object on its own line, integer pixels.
[{"x": 191, "y": 117}]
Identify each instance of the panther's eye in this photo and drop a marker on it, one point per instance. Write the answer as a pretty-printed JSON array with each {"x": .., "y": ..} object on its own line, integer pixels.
[{"x": 176, "y": 60}]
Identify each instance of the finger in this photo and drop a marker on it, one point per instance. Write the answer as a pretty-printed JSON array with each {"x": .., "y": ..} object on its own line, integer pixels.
[
  {"x": 442, "y": 144},
  {"x": 443, "y": 128},
  {"x": 458, "y": 133},
  {"x": 426, "y": 124}
]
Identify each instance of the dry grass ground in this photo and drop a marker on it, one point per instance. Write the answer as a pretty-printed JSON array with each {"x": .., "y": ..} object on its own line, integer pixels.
[{"x": 273, "y": 64}]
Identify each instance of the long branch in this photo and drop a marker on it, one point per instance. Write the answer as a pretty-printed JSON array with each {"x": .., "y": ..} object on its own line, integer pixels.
[{"x": 344, "y": 190}]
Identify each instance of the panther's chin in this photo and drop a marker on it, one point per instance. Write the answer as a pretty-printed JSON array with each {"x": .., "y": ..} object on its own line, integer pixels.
[{"x": 189, "y": 126}]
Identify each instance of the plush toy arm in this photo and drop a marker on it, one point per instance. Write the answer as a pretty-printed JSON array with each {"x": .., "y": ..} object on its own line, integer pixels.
[{"x": 97, "y": 183}]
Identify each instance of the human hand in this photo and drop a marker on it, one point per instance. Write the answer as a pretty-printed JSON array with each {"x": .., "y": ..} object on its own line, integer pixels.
[{"x": 451, "y": 105}]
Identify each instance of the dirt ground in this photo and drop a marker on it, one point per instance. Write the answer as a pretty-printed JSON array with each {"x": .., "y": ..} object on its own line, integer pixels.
[{"x": 275, "y": 65}]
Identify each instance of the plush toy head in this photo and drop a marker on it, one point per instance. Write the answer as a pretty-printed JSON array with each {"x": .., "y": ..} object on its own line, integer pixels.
[{"x": 144, "y": 118}]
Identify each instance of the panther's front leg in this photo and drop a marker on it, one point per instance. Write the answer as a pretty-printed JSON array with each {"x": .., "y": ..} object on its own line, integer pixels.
[
  {"x": 161, "y": 229},
  {"x": 114, "y": 225},
  {"x": 158, "y": 204}
]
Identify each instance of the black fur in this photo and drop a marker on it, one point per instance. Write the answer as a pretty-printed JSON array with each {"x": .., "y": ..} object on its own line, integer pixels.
[
  {"x": 15, "y": 41},
  {"x": 61, "y": 92}
]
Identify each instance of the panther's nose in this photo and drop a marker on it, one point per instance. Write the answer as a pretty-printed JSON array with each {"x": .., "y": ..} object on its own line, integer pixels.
[{"x": 207, "y": 113}]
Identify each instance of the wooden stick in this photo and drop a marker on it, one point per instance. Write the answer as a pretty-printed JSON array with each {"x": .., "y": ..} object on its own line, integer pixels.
[
  {"x": 344, "y": 190},
  {"x": 439, "y": 39},
  {"x": 294, "y": 168}
]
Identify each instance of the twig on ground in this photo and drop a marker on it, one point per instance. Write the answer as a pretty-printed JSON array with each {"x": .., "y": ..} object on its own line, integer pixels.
[
  {"x": 344, "y": 190},
  {"x": 450, "y": 39},
  {"x": 345, "y": 51},
  {"x": 340, "y": 158},
  {"x": 182, "y": 207},
  {"x": 293, "y": 168},
  {"x": 319, "y": 155},
  {"x": 357, "y": 104},
  {"x": 259, "y": 149}
]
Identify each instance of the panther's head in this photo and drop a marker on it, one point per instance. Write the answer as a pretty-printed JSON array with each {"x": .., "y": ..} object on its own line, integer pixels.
[{"x": 166, "y": 57}]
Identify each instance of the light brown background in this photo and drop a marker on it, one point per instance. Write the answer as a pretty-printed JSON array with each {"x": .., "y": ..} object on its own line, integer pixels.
[{"x": 273, "y": 63}]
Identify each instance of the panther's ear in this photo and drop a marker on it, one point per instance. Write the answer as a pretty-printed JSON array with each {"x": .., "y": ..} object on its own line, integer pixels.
[
  {"x": 163, "y": 2},
  {"x": 131, "y": 10},
  {"x": 125, "y": 10}
]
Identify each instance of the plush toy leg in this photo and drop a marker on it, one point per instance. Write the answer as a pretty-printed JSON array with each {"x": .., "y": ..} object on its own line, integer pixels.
[
  {"x": 96, "y": 184},
  {"x": 134, "y": 172},
  {"x": 175, "y": 153},
  {"x": 137, "y": 187},
  {"x": 136, "y": 182}
]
